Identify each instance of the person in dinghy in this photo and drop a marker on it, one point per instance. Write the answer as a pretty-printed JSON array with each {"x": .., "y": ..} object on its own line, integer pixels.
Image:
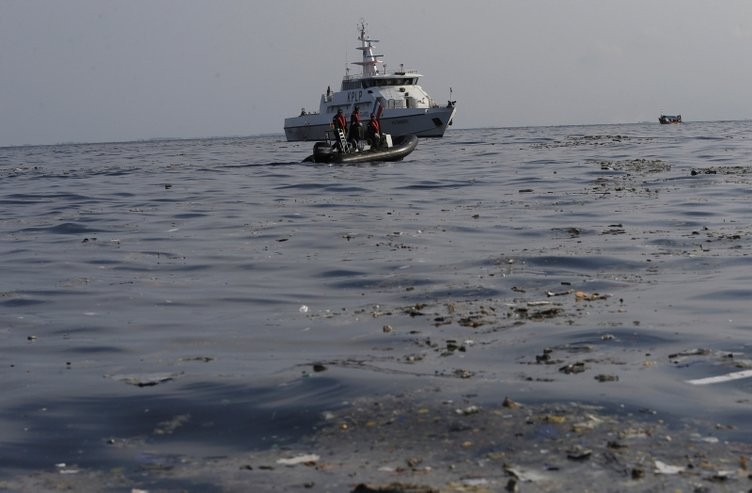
[
  {"x": 356, "y": 129},
  {"x": 339, "y": 123},
  {"x": 373, "y": 132}
]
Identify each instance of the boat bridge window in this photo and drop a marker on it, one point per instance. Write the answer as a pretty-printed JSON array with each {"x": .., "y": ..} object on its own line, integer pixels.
[
  {"x": 348, "y": 85},
  {"x": 390, "y": 81}
]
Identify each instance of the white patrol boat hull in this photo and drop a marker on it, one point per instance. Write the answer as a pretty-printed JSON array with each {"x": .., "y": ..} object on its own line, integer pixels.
[{"x": 422, "y": 122}]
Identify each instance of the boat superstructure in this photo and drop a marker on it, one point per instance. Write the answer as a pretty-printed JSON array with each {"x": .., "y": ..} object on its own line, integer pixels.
[{"x": 402, "y": 106}]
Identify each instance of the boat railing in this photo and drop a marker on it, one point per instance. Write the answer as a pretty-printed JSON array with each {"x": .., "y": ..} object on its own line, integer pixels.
[{"x": 400, "y": 73}]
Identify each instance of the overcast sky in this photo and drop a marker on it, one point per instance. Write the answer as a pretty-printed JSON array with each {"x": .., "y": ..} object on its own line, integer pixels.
[{"x": 113, "y": 70}]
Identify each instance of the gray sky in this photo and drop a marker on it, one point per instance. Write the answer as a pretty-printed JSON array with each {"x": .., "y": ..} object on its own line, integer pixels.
[{"x": 112, "y": 70}]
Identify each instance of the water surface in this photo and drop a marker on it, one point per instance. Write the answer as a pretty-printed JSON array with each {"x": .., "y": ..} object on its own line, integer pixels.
[{"x": 209, "y": 296}]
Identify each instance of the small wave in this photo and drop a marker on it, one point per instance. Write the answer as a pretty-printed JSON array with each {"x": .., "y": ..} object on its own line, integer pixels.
[
  {"x": 468, "y": 142},
  {"x": 19, "y": 302},
  {"x": 738, "y": 294},
  {"x": 587, "y": 264},
  {"x": 67, "y": 229},
  {"x": 95, "y": 350},
  {"x": 625, "y": 338},
  {"x": 325, "y": 187},
  {"x": 263, "y": 165},
  {"x": 189, "y": 215},
  {"x": 340, "y": 273},
  {"x": 433, "y": 185}
]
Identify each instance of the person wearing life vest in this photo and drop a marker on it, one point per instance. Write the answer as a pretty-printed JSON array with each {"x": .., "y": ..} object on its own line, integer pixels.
[
  {"x": 339, "y": 123},
  {"x": 374, "y": 131},
  {"x": 339, "y": 120}
]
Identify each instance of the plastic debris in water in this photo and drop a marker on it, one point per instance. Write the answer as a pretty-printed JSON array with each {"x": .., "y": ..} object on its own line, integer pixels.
[
  {"x": 301, "y": 459},
  {"x": 722, "y": 378},
  {"x": 303, "y": 309},
  {"x": 663, "y": 468}
]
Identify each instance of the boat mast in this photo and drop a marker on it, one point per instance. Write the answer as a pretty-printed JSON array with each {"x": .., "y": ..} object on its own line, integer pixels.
[{"x": 370, "y": 60}]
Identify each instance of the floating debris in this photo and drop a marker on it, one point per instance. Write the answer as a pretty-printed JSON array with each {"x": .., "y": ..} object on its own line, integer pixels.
[
  {"x": 579, "y": 453},
  {"x": 663, "y": 468},
  {"x": 728, "y": 377},
  {"x": 393, "y": 488},
  {"x": 468, "y": 410},
  {"x": 583, "y": 296},
  {"x": 577, "y": 367},
  {"x": 168, "y": 427},
  {"x": 63, "y": 468},
  {"x": 690, "y": 352},
  {"x": 146, "y": 380},
  {"x": 307, "y": 459},
  {"x": 607, "y": 378},
  {"x": 722, "y": 170},
  {"x": 555, "y": 419},
  {"x": 510, "y": 404},
  {"x": 452, "y": 345},
  {"x": 202, "y": 359}
]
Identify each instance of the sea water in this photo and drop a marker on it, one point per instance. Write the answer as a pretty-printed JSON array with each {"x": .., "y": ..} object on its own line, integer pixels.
[{"x": 215, "y": 295}]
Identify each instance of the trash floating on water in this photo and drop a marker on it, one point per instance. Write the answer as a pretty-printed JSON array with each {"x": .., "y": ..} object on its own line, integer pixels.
[
  {"x": 576, "y": 367},
  {"x": 146, "y": 380},
  {"x": 607, "y": 378},
  {"x": 468, "y": 411},
  {"x": 583, "y": 296},
  {"x": 558, "y": 293},
  {"x": 690, "y": 352},
  {"x": 579, "y": 453},
  {"x": 393, "y": 487},
  {"x": 728, "y": 377},
  {"x": 64, "y": 468},
  {"x": 663, "y": 468},
  {"x": 300, "y": 459},
  {"x": 509, "y": 403},
  {"x": 168, "y": 427}
]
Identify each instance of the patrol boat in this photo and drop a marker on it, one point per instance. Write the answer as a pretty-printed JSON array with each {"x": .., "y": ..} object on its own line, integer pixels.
[{"x": 401, "y": 105}]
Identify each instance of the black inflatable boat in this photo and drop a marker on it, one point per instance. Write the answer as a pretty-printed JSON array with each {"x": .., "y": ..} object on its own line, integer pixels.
[{"x": 388, "y": 150}]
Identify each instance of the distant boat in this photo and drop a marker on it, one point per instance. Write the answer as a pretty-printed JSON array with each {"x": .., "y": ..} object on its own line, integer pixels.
[
  {"x": 666, "y": 119},
  {"x": 400, "y": 104}
]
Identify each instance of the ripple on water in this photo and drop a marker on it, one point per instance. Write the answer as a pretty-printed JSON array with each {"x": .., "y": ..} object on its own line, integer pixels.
[
  {"x": 67, "y": 228},
  {"x": 589, "y": 264}
]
